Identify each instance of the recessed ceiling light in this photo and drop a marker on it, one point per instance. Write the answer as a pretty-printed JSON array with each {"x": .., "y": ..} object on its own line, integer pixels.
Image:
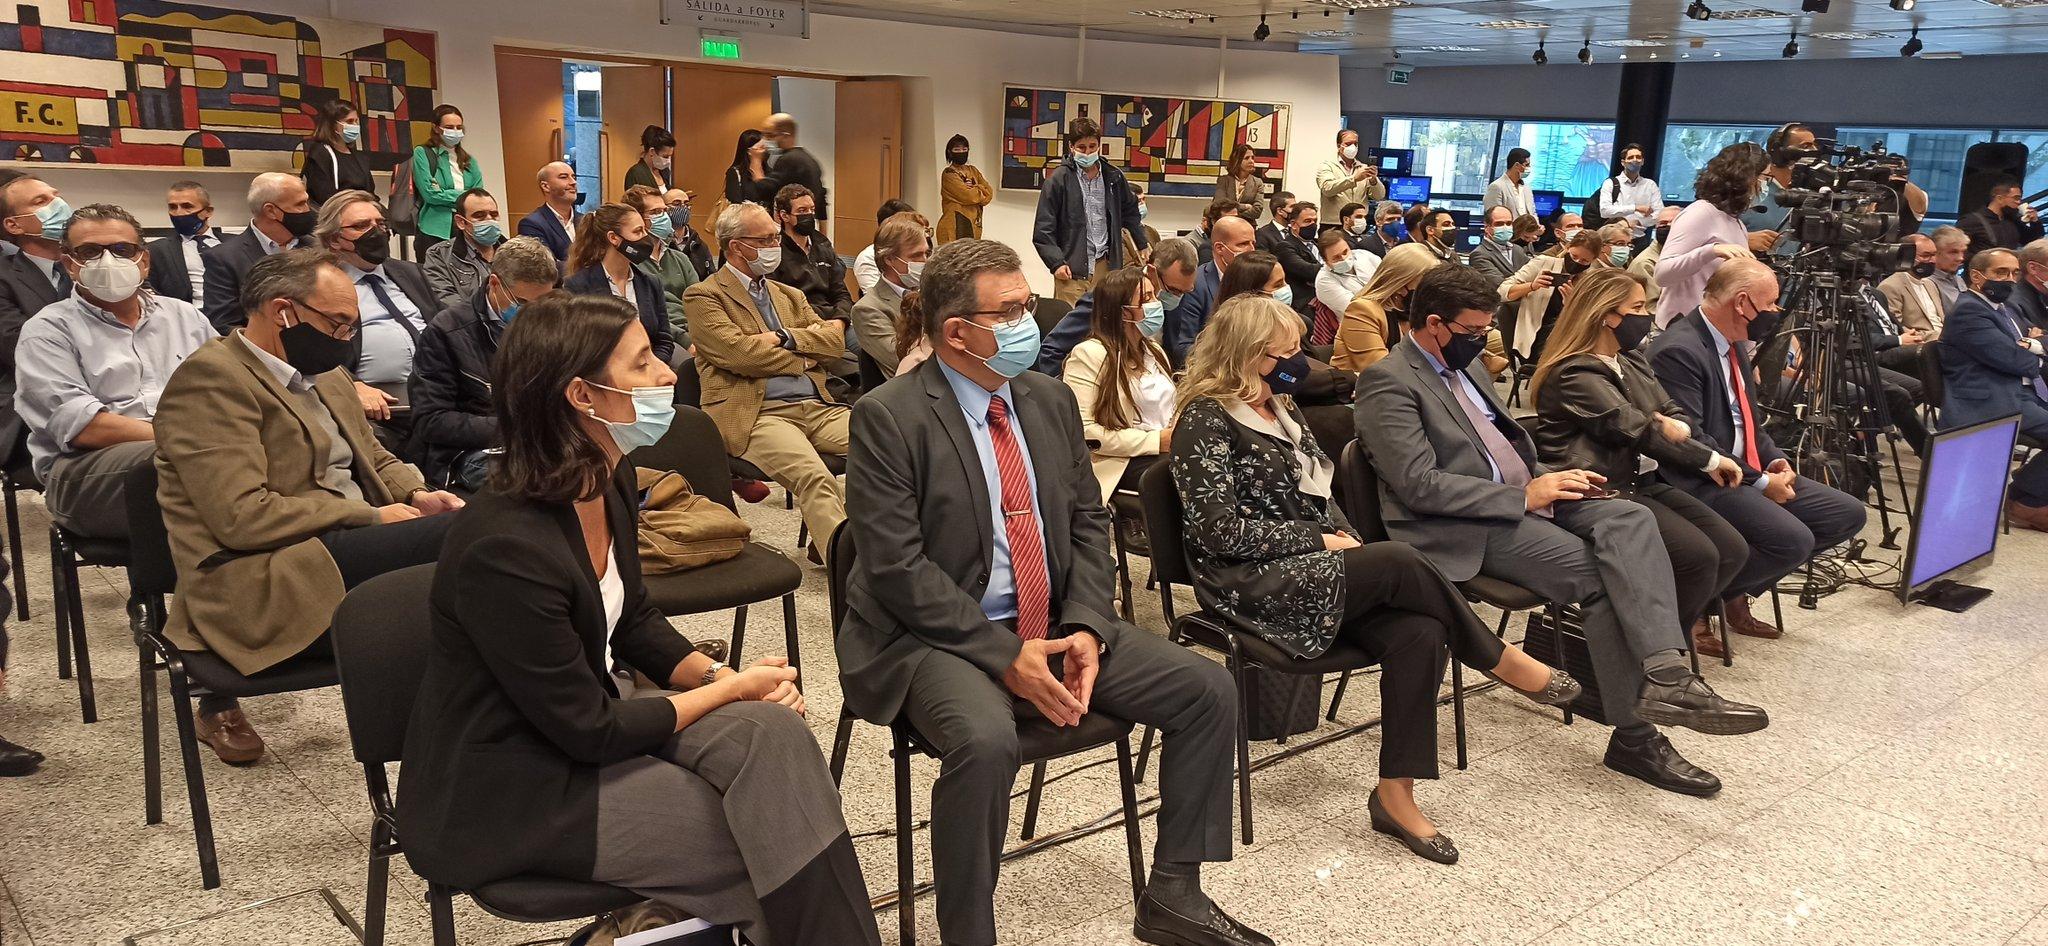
[
  {"x": 1851, "y": 35},
  {"x": 1512, "y": 25},
  {"x": 2016, "y": 4},
  {"x": 1330, "y": 34},
  {"x": 1629, "y": 43},
  {"x": 1172, "y": 14},
  {"x": 1446, "y": 49},
  {"x": 1753, "y": 13},
  {"x": 1363, "y": 4}
]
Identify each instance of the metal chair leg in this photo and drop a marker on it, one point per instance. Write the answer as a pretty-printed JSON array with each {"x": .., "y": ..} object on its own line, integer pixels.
[
  {"x": 1555, "y": 615},
  {"x": 81, "y": 653},
  {"x": 789, "y": 641},
  {"x": 377, "y": 890},
  {"x": 441, "y": 904},
  {"x": 1337, "y": 698},
  {"x": 1123, "y": 574},
  {"x": 1144, "y": 752},
  {"x": 906, "y": 870},
  {"x": 1458, "y": 709},
  {"x": 14, "y": 550},
  {"x": 1031, "y": 802},
  {"x": 739, "y": 635},
  {"x": 1244, "y": 746},
  {"x": 195, "y": 777},
  {"x": 841, "y": 741},
  {"x": 1130, "y": 792},
  {"x": 152, "y": 757},
  {"x": 60, "y": 614}
]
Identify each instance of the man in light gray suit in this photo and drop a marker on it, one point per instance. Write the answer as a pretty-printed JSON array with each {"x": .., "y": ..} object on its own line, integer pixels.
[
  {"x": 980, "y": 597},
  {"x": 1460, "y": 482}
]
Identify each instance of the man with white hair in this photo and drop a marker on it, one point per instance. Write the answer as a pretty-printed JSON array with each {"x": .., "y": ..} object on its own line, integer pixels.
[
  {"x": 280, "y": 217},
  {"x": 554, "y": 221},
  {"x": 2030, "y": 296},
  {"x": 1703, "y": 365},
  {"x": 1951, "y": 251}
]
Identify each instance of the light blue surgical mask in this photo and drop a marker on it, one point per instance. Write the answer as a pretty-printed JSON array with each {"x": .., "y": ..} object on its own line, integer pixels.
[
  {"x": 654, "y": 408},
  {"x": 352, "y": 133},
  {"x": 451, "y": 136},
  {"x": 1016, "y": 346},
  {"x": 1153, "y": 320},
  {"x": 1503, "y": 234},
  {"x": 661, "y": 226},
  {"x": 1168, "y": 299},
  {"x": 511, "y": 312},
  {"x": 54, "y": 216},
  {"x": 487, "y": 232},
  {"x": 1141, "y": 210},
  {"x": 1618, "y": 256},
  {"x": 1284, "y": 295},
  {"x": 1087, "y": 160}
]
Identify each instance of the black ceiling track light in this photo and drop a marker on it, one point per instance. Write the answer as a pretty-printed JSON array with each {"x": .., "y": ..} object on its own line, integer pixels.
[
  {"x": 1699, "y": 11},
  {"x": 1586, "y": 53},
  {"x": 1540, "y": 57},
  {"x": 1903, "y": 5},
  {"x": 1792, "y": 45},
  {"x": 1261, "y": 34},
  {"x": 1815, "y": 6},
  {"x": 1913, "y": 45}
]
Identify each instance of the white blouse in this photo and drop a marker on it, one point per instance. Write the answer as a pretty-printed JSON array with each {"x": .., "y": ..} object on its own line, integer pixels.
[
  {"x": 612, "y": 589},
  {"x": 1155, "y": 397}
]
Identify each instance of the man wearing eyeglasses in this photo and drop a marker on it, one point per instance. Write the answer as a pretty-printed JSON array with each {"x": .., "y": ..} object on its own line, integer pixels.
[
  {"x": 276, "y": 494},
  {"x": 90, "y": 367}
]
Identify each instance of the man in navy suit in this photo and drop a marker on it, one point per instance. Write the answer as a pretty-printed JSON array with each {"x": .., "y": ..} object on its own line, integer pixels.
[
  {"x": 1172, "y": 271},
  {"x": 2030, "y": 293},
  {"x": 554, "y": 221},
  {"x": 1703, "y": 361},
  {"x": 1991, "y": 368}
]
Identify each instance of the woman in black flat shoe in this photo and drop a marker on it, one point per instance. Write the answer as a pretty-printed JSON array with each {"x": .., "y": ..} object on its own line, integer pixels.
[{"x": 1272, "y": 554}]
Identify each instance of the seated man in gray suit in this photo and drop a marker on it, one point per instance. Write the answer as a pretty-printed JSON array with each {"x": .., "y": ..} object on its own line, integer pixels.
[
  {"x": 1460, "y": 482},
  {"x": 981, "y": 596}
]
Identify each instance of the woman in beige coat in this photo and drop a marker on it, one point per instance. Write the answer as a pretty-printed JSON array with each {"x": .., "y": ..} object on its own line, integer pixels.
[{"x": 1122, "y": 381}]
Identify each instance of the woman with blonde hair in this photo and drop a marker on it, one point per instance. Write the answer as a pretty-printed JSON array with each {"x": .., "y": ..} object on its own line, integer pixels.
[
  {"x": 1376, "y": 317},
  {"x": 1599, "y": 408},
  {"x": 1272, "y": 554}
]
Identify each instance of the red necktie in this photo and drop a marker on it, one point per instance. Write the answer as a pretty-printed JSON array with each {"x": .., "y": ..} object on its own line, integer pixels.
[
  {"x": 1749, "y": 452},
  {"x": 1027, "y": 548}
]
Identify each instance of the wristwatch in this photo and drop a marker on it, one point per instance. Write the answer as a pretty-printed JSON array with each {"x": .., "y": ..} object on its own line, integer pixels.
[{"x": 711, "y": 673}]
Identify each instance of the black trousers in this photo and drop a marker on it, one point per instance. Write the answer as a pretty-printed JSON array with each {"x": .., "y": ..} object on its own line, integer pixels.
[
  {"x": 1402, "y": 611},
  {"x": 1706, "y": 552}
]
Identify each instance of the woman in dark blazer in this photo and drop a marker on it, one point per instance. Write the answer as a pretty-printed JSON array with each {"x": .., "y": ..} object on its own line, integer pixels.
[
  {"x": 532, "y": 750},
  {"x": 611, "y": 243},
  {"x": 747, "y": 179},
  {"x": 1599, "y": 407},
  {"x": 333, "y": 153},
  {"x": 1272, "y": 554}
]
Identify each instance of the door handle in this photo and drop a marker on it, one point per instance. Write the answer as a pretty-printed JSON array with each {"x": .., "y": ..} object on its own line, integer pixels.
[
  {"x": 887, "y": 150},
  {"x": 604, "y": 156},
  {"x": 555, "y": 144}
]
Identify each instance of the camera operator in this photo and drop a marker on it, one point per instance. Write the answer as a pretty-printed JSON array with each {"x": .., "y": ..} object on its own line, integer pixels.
[
  {"x": 2004, "y": 223},
  {"x": 1991, "y": 367},
  {"x": 1765, "y": 220}
]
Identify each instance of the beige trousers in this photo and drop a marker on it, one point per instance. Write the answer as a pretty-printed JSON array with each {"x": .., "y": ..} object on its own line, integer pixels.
[
  {"x": 788, "y": 436},
  {"x": 1070, "y": 291}
]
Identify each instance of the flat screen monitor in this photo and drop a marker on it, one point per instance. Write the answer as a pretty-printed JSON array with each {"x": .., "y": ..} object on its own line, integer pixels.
[
  {"x": 1962, "y": 500},
  {"x": 1468, "y": 235},
  {"x": 1547, "y": 204},
  {"x": 1408, "y": 190},
  {"x": 1392, "y": 162}
]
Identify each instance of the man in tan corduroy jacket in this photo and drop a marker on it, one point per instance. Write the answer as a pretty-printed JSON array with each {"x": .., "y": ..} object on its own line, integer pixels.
[
  {"x": 276, "y": 494},
  {"x": 760, "y": 348}
]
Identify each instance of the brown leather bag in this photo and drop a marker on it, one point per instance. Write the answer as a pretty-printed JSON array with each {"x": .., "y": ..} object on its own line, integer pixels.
[{"x": 681, "y": 530}]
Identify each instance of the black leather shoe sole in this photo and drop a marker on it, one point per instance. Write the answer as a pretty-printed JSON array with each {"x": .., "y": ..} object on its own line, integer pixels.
[
  {"x": 1701, "y": 721},
  {"x": 1633, "y": 768},
  {"x": 1173, "y": 929},
  {"x": 16, "y": 765}
]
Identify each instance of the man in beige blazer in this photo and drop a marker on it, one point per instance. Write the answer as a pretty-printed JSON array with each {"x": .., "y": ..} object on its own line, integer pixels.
[
  {"x": 276, "y": 494},
  {"x": 1914, "y": 299},
  {"x": 760, "y": 356}
]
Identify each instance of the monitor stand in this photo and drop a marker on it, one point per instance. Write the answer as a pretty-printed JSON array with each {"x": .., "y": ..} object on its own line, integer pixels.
[{"x": 1952, "y": 596}]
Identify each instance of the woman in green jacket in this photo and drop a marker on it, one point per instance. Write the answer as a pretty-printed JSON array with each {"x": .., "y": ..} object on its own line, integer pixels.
[
  {"x": 655, "y": 169},
  {"x": 441, "y": 172}
]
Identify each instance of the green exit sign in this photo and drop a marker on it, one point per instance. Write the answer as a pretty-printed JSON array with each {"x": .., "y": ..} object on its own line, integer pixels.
[{"x": 719, "y": 47}]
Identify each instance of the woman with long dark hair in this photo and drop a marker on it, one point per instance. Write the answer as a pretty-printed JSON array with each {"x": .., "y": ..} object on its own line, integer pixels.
[
  {"x": 533, "y": 748},
  {"x": 1709, "y": 230},
  {"x": 656, "y": 167},
  {"x": 611, "y": 243},
  {"x": 1273, "y": 555},
  {"x": 1257, "y": 271},
  {"x": 1599, "y": 407},
  {"x": 747, "y": 179},
  {"x": 442, "y": 171},
  {"x": 333, "y": 160},
  {"x": 1122, "y": 381},
  {"x": 1240, "y": 181}
]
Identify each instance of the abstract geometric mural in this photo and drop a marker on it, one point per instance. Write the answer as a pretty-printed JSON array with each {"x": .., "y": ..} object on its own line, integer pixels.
[
  {"x": 149, "y": 82},
  {"x": 1175, "y": 147}
]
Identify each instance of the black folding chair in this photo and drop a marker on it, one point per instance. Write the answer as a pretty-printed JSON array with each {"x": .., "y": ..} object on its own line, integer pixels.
[
  {"x": 381, "y": 642},
  {"x": 1244, "y": 651},
  {"x": 1039, "y": 742},
  {"x": 1049, "y": 313},
  {"x": 67, "y": 550},
  {"x": 16, "y": 476},
  {"x": 692, "y": 447},
  {"x": 690, "y": 393},
  {"x": 152, "y": 576}
]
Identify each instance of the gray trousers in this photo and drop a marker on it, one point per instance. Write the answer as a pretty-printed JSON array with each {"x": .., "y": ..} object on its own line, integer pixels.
[
  {"x": 85, "y": 492},
  {"x": 1607, "y": 556},
  {"x": 972, "y": 721},
  {"x": 735, "y": 820}
]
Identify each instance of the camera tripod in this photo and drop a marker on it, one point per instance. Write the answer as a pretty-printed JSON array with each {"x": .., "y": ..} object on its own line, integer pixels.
[{"x": 1835, "y": 395}]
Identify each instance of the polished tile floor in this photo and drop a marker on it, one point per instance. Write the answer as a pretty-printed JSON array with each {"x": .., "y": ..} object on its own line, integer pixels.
[{"x": 1897, "y": 798}]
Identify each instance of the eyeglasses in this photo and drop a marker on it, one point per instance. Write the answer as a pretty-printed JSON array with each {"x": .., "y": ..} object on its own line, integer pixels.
[
  {"x": 1012, "y": 312},
  {"x": 87, "y": 252},
  {"x": 337, "y": 327},
  {"x": 759, "y": 242},
  {"x": 1460, "y": 328}
]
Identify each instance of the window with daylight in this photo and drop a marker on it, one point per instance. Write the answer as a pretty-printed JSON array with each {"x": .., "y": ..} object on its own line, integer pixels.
[
  {"x": 1454, "y": 153},
  {"x": 1572, "y": 157}
]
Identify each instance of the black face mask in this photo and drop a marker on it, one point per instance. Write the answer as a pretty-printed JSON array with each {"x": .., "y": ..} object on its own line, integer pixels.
[
  {"x": 807, "y": 224},
  {"x": 1997, "y": 290},
  {"x": 1765, "y": 326},
  {"x": 1633, "y": 329},
  {"x": 374, "y": 246},
  {"x": 1573, "y": 267},
  {"x": 637, "y": 251},
  {"x": 1923, "y": 270},
  {"x": 1461, "y": 349},
  {"x": 1287, "y": 374},
  {"x": 314, "y": 352},
  {"x": 1447, "y": 236},
  {"x": 957, "y": 157},
  {"x": 1663, "y": 235},
  {"x": 300, "y": 223}
]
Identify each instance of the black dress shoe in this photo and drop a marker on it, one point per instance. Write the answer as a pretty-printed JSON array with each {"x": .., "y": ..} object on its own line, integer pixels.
[
  {"x": 1657, "y": 763},
  {"x": 1161, "y": 926},
  {"x": 16, "y": 760},
  {"x": 1437, "y": 847},
  {"x": 1686, "y": 700}
]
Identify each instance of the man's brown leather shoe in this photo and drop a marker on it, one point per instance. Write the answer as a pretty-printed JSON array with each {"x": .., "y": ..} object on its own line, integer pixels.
[
  {"x": 1705, "y": 642},
  {"x": 1736, "y": 612},
  {"x": 230, "y": 736},
  {"x": 2027, "y": 517}
]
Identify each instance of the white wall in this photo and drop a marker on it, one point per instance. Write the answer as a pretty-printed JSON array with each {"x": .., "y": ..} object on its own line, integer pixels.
[{"x": 954, "y": 78}]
